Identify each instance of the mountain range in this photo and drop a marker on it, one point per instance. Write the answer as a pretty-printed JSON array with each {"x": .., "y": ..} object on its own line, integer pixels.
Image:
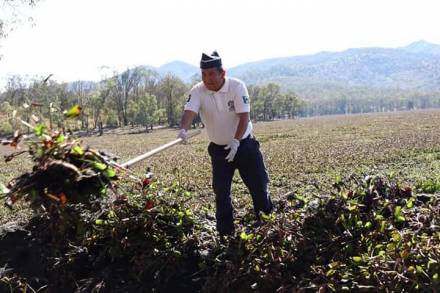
[{"x": 415, "y": 67}]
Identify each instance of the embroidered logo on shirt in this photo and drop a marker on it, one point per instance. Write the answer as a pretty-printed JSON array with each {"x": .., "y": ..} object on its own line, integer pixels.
[
  {"x": 231, "y": 106},
  {"x": 189, "y": 98},
  {"x": 245, "y": 99}
]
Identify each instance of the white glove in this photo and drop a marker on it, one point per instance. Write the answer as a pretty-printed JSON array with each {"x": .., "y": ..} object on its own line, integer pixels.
[
  {"x": 233, "y": 146},
  {"x": 183, "y": 134}
]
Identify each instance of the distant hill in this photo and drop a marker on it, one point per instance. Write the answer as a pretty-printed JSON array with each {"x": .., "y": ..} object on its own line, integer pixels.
[
  {"x": 423, "y": 47},
  {"x": 356, "y": 73},
  {"x": 324, "y": 75},
  {"x": 414, "y": 67},
  {"x": 181, "y": 69}
]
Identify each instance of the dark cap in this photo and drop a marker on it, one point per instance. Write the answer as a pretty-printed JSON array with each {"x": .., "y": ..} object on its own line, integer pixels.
[{"x": 210, "y": 61}]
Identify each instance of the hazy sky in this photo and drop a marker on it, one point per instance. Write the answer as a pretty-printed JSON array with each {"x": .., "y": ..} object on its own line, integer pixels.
[{"x": 73, "y": 38}]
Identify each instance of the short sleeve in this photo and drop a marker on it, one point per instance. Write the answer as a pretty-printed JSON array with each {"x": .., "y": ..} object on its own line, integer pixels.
[
  {"x": 241, "y": 102},
  {"x": 193, "y": 101}
]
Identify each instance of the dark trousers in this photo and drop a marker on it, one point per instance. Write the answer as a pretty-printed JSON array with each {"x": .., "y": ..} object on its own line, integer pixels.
[{"x": 249, "y": 162}]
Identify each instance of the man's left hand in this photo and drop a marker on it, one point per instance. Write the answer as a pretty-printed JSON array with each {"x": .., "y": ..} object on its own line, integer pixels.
[
  {"x": 183, "y": 134},
  {"x": 233, "y": 146}
]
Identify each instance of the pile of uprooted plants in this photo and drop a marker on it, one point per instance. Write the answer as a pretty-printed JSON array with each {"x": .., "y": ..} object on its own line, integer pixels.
[{"x": 97, "y": 229}]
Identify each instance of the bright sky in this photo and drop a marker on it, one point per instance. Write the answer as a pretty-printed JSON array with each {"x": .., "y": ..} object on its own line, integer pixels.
[{"x": 74, "y": 38}]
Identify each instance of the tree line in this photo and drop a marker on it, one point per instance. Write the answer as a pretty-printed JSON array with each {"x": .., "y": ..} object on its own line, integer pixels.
[
  {"x": 135, "y": 97},
  {"x": 390, "y": 102}
]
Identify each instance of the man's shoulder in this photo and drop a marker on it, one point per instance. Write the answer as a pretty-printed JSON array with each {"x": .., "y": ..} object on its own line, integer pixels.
[
  {"x": 235, "y": 81},
  {"x": 236, "y": 84},
  {"x": 198, "y": 87}
]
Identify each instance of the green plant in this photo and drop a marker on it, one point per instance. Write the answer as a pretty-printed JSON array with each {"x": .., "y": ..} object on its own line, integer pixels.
[{"x": 64, "y": 171}]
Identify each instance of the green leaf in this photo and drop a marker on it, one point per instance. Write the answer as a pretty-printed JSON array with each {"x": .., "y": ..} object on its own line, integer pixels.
[
  {"x": 397, "y": 211},
  {"x": 257, "y": 268},
  {"x": 330, "y": 272},
  {"x": 60, "y": 138},
  {"x": 99, "y": 166},
  {"x": 400, "y": 219},
  {"x": 268, "y": 217},
  {"x": 344, "y": 194},
  {"x": 245, "y": 236},
  {"x": 39, "y": 130},
  {"x": 111, "y": 214},
  {"x": 392, "y": 174},
  {"x": 77, "y": 151},
  {"x": 338, "y": 179},
  {"x": 352, "y": 207},
  {"x": 357, "y": 259},
  {"x": 109, "y": 172},
  {"x": 383, "y": 226},
  {"x": 101, "y": 222},
  {"x": 39, "y": 152},
  {"x": 396, "y": 236},
  {"x": 431, "y": 262},
  {"x": 378, "y": 217},
  {"x": 391, "y": 247},
  {"x": 300, "y": 197},
  {"x": 410, "y": 203}
]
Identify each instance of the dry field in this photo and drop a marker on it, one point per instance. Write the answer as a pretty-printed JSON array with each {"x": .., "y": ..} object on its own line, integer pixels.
[{"x": 303, "y": 156}]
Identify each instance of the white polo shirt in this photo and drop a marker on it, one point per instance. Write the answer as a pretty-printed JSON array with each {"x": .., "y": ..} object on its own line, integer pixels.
[{"x": 218, "y": 110}]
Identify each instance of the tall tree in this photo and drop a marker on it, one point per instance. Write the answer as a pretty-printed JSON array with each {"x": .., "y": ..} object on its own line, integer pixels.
[
  {"x": 98, "y": 100},
  {"x": 270, "y": 92},
  {"x": 126, "y": 83},
  {"x": 172, "y": 92}
]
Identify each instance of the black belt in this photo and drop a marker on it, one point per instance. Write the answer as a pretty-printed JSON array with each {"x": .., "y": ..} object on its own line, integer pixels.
[{"x": 250, "y": 136}]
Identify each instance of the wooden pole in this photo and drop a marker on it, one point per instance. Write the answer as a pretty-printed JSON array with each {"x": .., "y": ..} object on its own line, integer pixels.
[{"x": 157, "y": 150}]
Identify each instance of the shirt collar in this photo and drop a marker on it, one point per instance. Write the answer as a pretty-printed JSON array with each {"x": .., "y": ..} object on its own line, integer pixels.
[{"x": 225, "y": 87}]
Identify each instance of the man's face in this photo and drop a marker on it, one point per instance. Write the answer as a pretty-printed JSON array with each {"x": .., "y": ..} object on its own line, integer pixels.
[{"x": 213, "y": 78}]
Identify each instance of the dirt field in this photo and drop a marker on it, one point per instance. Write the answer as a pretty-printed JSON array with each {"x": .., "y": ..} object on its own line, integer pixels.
[{"x": 303, "y": 155}]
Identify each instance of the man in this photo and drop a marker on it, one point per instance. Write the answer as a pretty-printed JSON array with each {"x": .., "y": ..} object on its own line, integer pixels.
[{"x": 223, "y": 104}]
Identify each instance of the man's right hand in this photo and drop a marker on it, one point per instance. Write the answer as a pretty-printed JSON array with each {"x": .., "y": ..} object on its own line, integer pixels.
[{"x": 183, "y": 134}]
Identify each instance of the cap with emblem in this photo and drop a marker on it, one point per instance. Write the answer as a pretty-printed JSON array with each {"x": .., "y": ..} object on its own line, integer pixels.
[{"x": 210, "y": 61}]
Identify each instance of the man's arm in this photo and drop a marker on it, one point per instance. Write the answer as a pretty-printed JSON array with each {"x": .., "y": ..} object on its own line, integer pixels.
[
  {"x": 187, "y": 118},
  {"x": 242, "y": 125}
]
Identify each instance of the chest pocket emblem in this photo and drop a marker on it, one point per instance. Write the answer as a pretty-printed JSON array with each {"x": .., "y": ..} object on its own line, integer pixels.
[{"x": 231, "y": 106}]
